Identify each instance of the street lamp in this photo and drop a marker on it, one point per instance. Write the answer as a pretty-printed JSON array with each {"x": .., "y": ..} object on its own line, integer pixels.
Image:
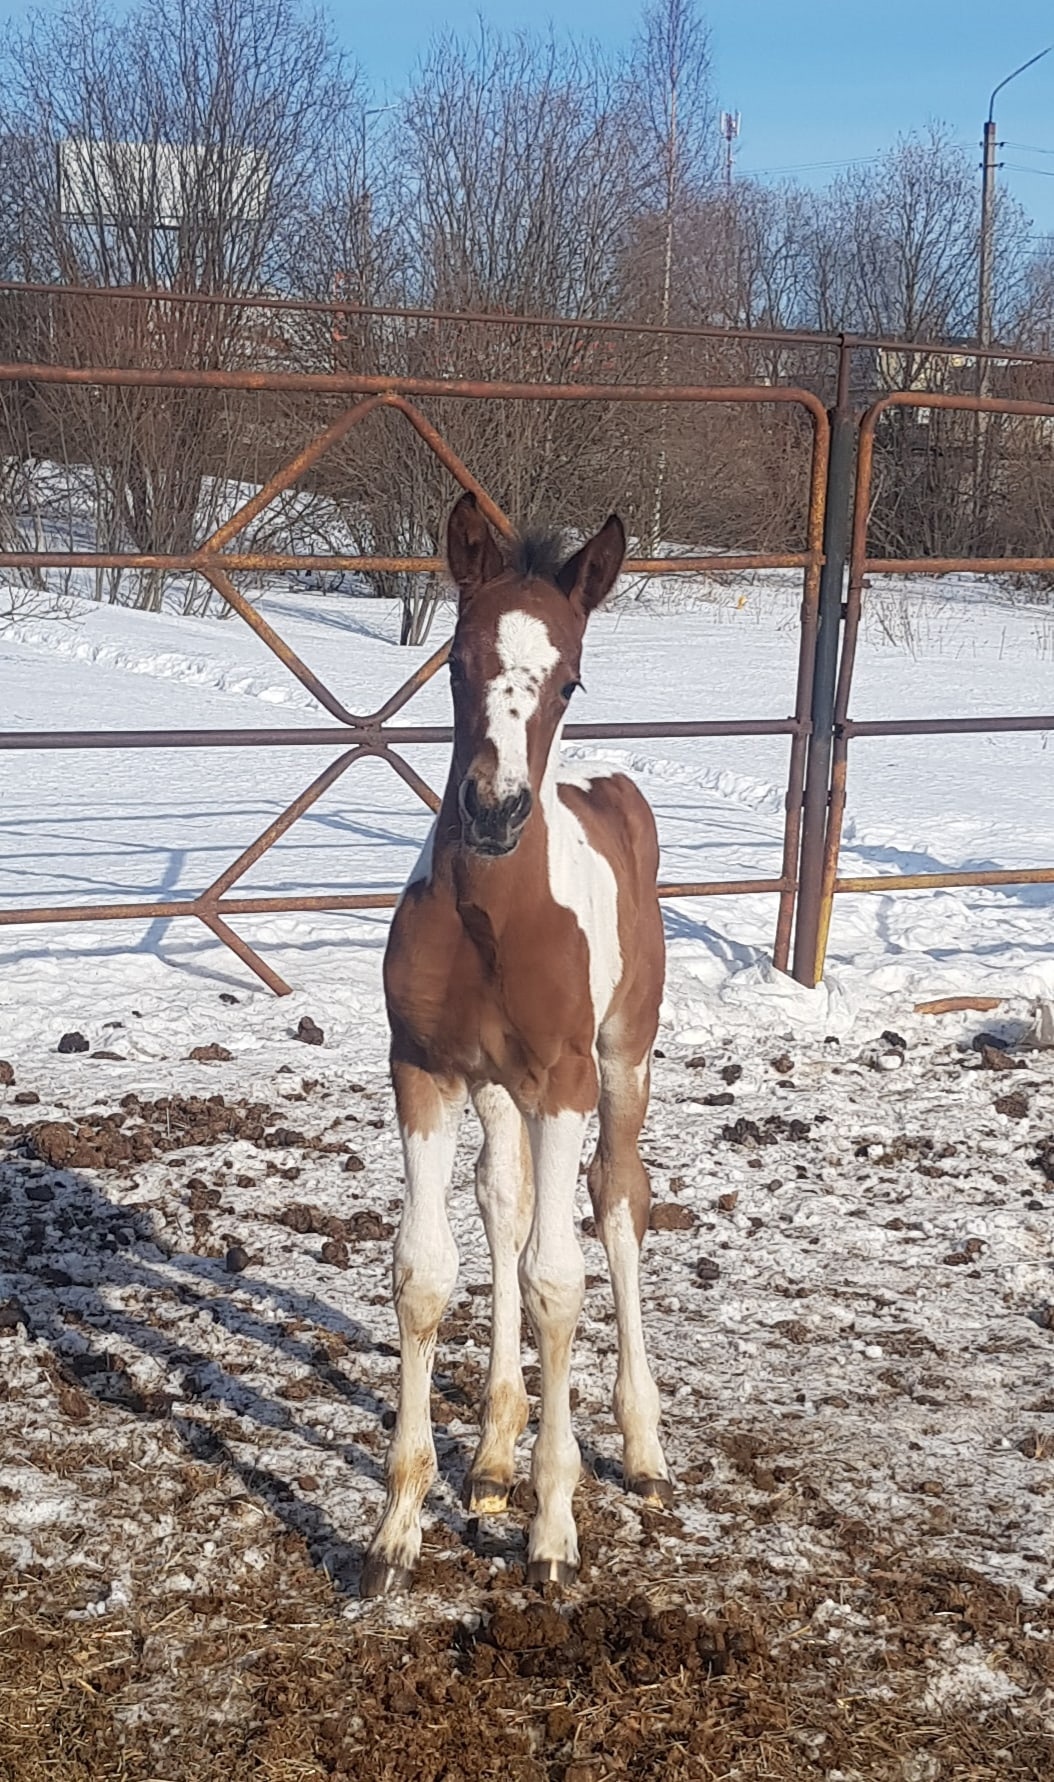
[
  {"x": 371, "y": 111},
  {"x": 984, "y": 286}
]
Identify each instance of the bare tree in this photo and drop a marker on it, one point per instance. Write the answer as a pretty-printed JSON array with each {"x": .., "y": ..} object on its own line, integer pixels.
[
  {"x": 518, "y": 171},
  {"x": 179, "y": 149},
  {"x": 671, "y": 76}
]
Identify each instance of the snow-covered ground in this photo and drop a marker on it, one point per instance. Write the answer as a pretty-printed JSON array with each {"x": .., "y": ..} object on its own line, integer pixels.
[
  {"x": 98, "y": 828},
  {"x": 868, "y": 1369}
]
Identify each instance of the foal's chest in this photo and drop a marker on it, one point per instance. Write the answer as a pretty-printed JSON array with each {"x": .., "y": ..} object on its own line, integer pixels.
[{"x": 488, "y": 1006}]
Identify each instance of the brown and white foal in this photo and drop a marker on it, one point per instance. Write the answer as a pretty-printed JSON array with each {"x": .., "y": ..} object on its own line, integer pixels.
[{"x": 524, "y": 968}]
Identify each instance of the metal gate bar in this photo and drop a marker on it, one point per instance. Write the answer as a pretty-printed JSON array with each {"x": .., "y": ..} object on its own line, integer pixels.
[
  {"x": 370, "y": 734},
  {"x": 845, "y": 728}
]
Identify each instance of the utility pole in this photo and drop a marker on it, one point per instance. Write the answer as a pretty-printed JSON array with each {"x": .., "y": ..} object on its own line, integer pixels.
[
  {"x": 985, "y": 306},
  {"x": 984, "y": 280},
  {"x": 672, "y": 157}
]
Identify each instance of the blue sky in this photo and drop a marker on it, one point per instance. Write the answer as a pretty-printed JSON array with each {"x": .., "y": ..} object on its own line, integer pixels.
[{"x": 816, "y": 81}]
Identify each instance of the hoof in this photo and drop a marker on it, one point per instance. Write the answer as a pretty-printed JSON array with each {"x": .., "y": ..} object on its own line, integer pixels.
[
  {"x": 551, "y": 1571},
  {"x": 485, "y": 1497},
  {"x": 656, "y": 1493},
  {"x": 380, "y": 1578}
]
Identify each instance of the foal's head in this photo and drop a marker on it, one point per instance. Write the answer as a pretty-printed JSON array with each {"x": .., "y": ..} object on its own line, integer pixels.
[{"x": 514, "y": 664}]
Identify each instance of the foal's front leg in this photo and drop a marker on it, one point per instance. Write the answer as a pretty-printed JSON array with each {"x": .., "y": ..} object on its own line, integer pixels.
[
  {"x": 504, "y": 1190},
  {"x": 552, "y": 1278},
  {"x": 423, "y": 1277}
]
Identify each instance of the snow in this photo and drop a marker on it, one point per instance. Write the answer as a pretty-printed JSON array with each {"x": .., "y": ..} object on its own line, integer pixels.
[
  {"x": 102, "y": 827},
  {"x": 879, "y": 1382}
]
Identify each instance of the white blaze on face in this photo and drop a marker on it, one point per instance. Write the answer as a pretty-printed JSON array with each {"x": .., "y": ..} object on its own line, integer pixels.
[{"x": 527, "y": 658}]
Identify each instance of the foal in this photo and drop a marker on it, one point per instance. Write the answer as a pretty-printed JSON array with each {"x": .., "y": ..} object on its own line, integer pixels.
[{"x": 524, "y": 968}]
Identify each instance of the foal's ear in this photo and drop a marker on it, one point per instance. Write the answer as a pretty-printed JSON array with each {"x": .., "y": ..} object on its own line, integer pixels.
[
  {"x": 589, "y": 576},
  {"x": 471, "y": 551}
]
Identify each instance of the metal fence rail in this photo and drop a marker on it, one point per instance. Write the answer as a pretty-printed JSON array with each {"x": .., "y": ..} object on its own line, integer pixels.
[
  {"x": 819, "y": 727},
  {"x": 360, "y": 735},
  {"x": 844, "y": 729}
]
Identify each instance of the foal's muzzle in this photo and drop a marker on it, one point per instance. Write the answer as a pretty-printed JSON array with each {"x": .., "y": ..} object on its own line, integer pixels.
[{"x": 490, "y": 827}]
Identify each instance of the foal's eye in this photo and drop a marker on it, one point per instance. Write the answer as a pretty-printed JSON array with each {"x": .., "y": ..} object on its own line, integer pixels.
[{"x": 566, "y": 692}]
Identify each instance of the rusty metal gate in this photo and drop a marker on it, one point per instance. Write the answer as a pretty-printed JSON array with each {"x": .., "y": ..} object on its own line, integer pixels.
[
  {"x": 847, "y": 513},
  {"x": 356, "y": 735},
  {"x": 818, "y": 727}
]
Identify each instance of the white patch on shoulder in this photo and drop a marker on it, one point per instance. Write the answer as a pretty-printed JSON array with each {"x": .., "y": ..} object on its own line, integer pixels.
[
  {"x": 527, "y": 656},
  {"x": 581, "y": 774},
  {"x": 583, "y": 881},
  {"x": 422, "y": 870}
]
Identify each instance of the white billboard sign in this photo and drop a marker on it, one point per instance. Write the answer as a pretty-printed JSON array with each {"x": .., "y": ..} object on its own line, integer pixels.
[{"x": 160, "y": 183}]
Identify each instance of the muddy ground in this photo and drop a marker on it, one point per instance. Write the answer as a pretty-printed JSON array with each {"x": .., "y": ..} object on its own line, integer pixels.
[{"x": 849, "y": 1304}]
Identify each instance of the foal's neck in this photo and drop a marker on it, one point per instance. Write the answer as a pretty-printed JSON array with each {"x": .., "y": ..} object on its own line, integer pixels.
[{"x": 504, "y": 888}]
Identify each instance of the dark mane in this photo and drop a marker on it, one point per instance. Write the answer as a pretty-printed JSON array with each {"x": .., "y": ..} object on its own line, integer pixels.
[{"x": 539, "y": 551}]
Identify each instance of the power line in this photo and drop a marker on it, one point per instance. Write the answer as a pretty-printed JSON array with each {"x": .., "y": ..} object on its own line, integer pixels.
[
  {"x": 854, "y": 161},
  {"x": 813, "y": 166},
  {"x": 1029, "y": 148},
  {"x": 1018, "y": 167}
]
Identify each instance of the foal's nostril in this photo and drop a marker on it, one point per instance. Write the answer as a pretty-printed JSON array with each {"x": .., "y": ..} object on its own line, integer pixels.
[
  {"x": 520, "y": 808},
  {"x": 469, "y": 798}
]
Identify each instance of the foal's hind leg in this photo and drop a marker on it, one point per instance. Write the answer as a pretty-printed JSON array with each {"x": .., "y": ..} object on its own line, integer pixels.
[
  {"x": 504, "y": 1190},
  {"x": 423, "y": 1276},
  {"x": 621, "y": 1196}
]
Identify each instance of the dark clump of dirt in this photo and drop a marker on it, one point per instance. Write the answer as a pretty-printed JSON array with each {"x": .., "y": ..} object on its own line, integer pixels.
[
  {"x": 994, "y": 1055},
  {"x": 285, "y": 1138},
  {"x": 1044, "y": 1158},
  {"x": 765, "y": 1132},
  {"x": 94, "y": 1143},
  {"x": 1014, "y": 1106},
  {"x": 141, "y": 1130},
  {"x": 666, "y": 1215},
  {"x": 273, "y": 1680},
  {"x": 72, "y": 1042},
  {"x": 641, "y": 1672},
  {"x": 310, "y": 1032},
  {"x": 635, "y": 1643},
  {"x": 908, "y": 1147},
  {"x": 7, "y": 1073},
  {"x": 12, "y": 1314},
  {"x": 367, "y": 1226},
  {"x": 364, "y": 1226}
]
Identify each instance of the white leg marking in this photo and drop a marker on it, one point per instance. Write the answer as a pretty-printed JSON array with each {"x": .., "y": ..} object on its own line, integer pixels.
[
  {"x": 552, "y": 1276},
  {"x": 423, "y": 1277},
  {"x": 636, "y": 1399},
  {"x": 504, "y": 1190}
]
